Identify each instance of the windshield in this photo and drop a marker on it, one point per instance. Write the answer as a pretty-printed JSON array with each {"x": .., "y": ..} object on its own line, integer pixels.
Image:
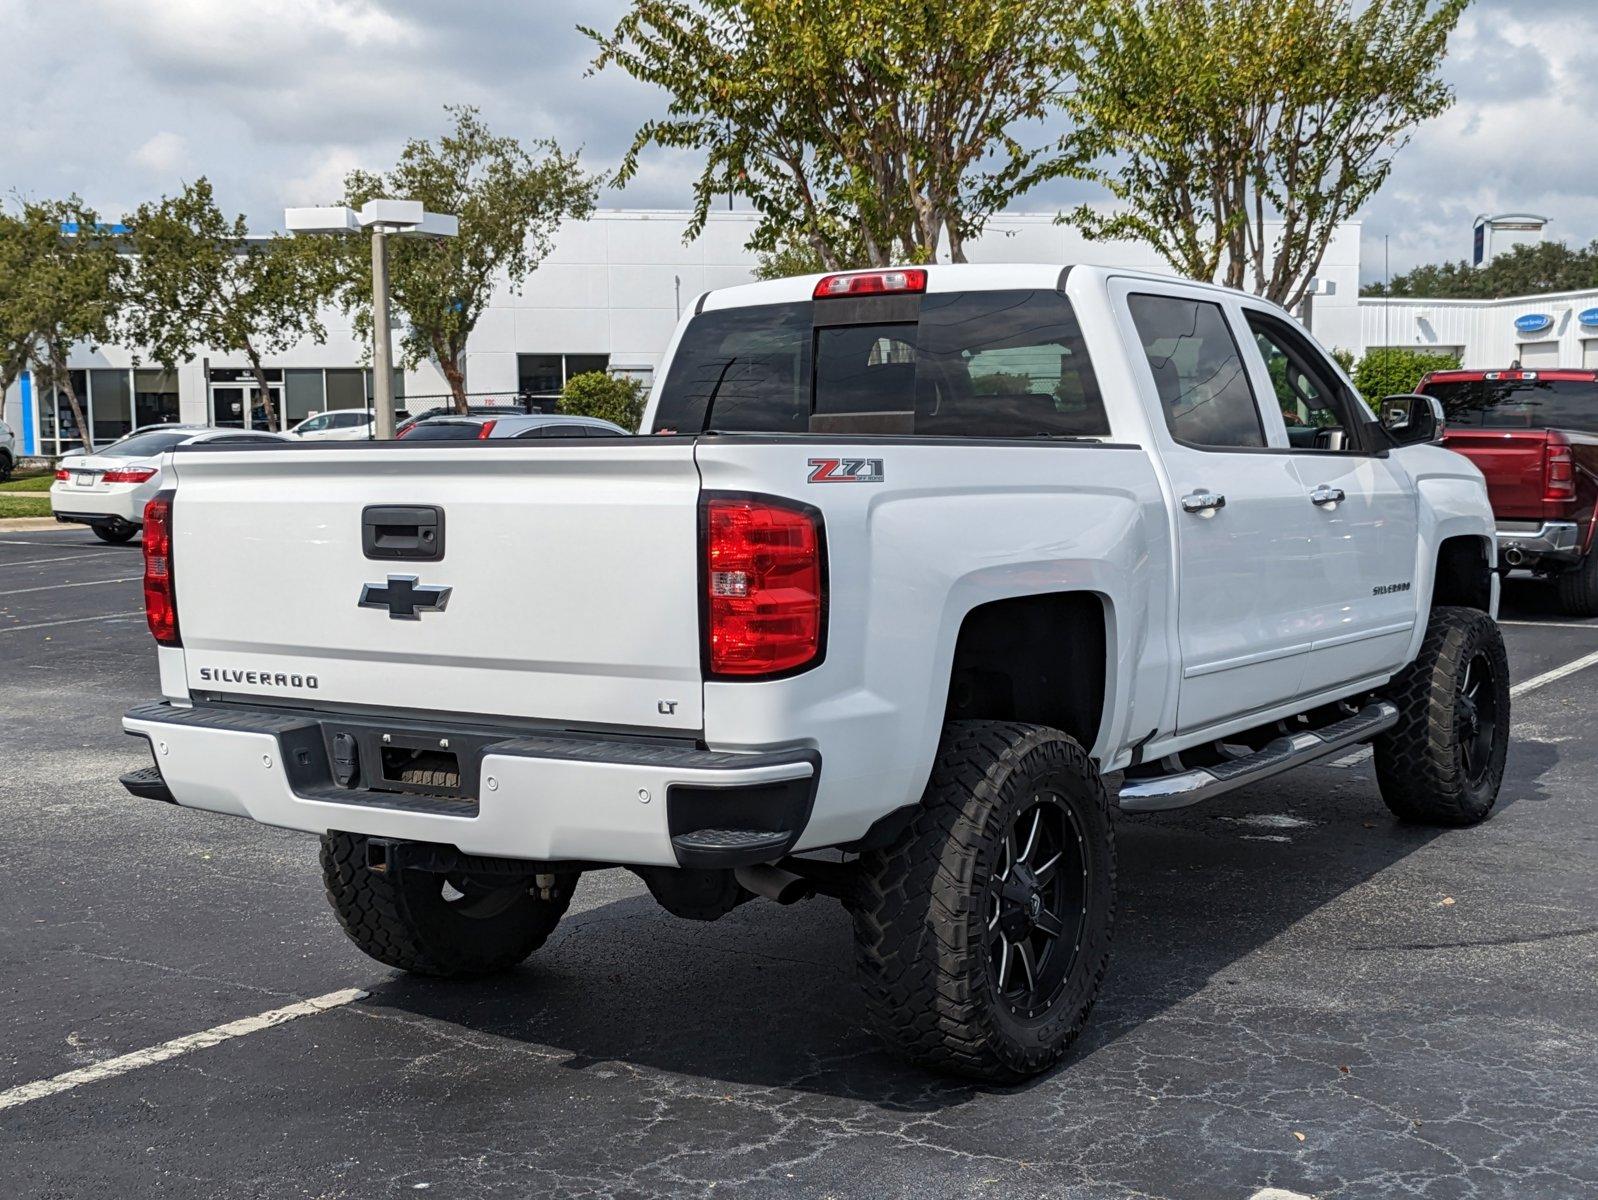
[
  {"x": 147, "y": 445},
  {"x": 967, "y": 364},
  {"x": 444, "y": 431},
  {"x": 1519, "y": 403}
]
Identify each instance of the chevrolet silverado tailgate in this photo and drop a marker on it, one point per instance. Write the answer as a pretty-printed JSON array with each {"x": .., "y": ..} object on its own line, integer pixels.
[{"x": 307, "y": 574}]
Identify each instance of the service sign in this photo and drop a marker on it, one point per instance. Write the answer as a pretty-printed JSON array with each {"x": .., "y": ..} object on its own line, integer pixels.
[
  {"x": 1588, "y": 316},
  {"x": 1533, "y": 322}
]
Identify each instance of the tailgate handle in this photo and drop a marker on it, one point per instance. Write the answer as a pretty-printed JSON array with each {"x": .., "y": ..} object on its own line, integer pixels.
[{"x": 412, "y": 532}]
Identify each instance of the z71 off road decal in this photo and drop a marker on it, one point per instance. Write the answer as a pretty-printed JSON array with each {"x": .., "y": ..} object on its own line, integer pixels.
[{"x": 845, "y": 470}]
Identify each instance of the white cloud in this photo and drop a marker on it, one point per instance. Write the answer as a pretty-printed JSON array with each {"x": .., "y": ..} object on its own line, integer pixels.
[{"x": 163, "y": 153}]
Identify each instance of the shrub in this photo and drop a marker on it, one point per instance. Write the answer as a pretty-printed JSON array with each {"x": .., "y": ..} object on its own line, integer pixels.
[
  {"x": 1394, "y": 370},
  {"x": 617, "y": 398}
]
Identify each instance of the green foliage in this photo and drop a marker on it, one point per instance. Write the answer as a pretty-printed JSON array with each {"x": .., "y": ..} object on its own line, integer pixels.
[
  {"x": 1205, "y": 119},
  {"x": 58, "y": 289},
  {"x": 871, "y": 131},
  {"x": 199, "y": 281},
  {"x": 510, "y": 200},
  {"x": 1344, "y": 358},
  {"x": 617, "y": 398},
  {"x": 1522, "y": 271},
  {"x": 799, "y": 258},
  {"x": 1395, "y": 370}
]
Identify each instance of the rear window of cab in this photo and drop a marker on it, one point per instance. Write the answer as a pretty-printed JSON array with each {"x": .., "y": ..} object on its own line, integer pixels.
[{"x": 997, "y": 364}]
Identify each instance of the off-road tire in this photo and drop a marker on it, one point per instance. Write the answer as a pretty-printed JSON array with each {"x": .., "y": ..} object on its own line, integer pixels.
[
  {"x": 1421, "y": 762},
  {"x": 1578, "y": 588},
  {"x": 403, "y": 920},
  {"x": 921, "y": 910},
  {"x": 116, "y": 535}
]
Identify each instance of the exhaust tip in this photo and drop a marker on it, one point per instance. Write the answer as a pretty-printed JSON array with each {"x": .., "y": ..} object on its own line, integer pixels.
[{"x": 773, "y": 883}]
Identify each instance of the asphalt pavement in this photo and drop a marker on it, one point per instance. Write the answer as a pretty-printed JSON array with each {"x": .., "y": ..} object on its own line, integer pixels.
[{"x": 1305, "y": 994}]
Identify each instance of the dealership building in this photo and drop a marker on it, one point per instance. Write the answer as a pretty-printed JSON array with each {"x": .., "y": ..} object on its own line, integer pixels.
[{"x": 615, "y": 285}]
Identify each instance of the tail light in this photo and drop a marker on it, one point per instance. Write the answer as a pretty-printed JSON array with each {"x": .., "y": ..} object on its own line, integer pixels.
[
  {"x": 486, "y": 429},
  {"x": 160, "y": 598},
  {"x": 129, "y": 475},
  {"x": 765, "y": 586},
  {"x": 872, "y": 283},
  {"x": 62, "y": 473},
  {"x": 1559, "y": 470}
]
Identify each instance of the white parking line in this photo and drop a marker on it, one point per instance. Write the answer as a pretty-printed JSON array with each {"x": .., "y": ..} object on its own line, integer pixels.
[
  {"x": 53, "y": 587},
  {"x": 43, "y": 562},
  {"x": 137, "y": 612},
  {"x": 1519, "y": 689},
  {"x": 205, "y": 1039}
]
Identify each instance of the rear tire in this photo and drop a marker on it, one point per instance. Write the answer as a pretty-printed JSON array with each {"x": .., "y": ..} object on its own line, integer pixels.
[
  {"x": 1443, "y": 763},
  {"x": 115, "y": 534},
  {"x": 1014, "y": 847},
  {"x": 406, "y": 919},
  {"x": 7, "y": 465},
  {"x": 1578, "y": 588}
]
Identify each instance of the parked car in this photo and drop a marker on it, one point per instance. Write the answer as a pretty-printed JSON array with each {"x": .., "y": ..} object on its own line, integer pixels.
[
  {"x": 339, "y": 424},
  {"x": 8, "y": 452},
  {"x": 516, "y": 425},
  {"x": 912, "y": 559},
  {"x": 108, "y": 489},
  {"x": 1534, "y": 434},
  {"x": 475, "y": 410}
]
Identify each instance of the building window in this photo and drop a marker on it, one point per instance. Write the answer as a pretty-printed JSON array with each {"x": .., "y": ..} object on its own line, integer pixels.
[
  {"x": 543, "y": 376},
  {"x": 155, "y": 397},
  {"x": 58, "y": 430},
  {"x": 111, "y": 395}
]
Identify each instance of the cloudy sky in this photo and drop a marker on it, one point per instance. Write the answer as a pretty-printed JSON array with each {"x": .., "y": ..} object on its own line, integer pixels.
[{"x": 276, "y": 99}]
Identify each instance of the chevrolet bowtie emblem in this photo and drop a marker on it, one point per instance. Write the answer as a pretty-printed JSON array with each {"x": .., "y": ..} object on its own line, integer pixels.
[{"x": 404, "y": 597}]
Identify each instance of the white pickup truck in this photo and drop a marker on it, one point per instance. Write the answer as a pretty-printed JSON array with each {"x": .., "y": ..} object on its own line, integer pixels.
[{"x": 907, "y": 563}]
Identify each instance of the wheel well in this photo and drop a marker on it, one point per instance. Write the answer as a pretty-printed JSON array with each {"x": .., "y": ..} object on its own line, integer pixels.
[
  {"x": 1039, "y": 659},
  {"x": 1463, "y": 577}
]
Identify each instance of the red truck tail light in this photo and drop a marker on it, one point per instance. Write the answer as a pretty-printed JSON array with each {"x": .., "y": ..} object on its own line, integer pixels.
[
  {"x": 160, "y": 599},
  {"x": 764, "y": 586},
  {"x": 872, "y": 283},
  {"x": 1559, "y": 470},
  {"x": 129, "y": 475}
]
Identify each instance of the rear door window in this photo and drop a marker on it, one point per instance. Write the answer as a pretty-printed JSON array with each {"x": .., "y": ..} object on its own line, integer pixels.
[
  {"x": 1198, "y": 372},
  {"x": 972, "y": 364}
]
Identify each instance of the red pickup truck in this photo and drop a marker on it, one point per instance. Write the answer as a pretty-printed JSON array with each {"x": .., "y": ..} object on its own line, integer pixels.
[{"x": 1534, "y": 434}]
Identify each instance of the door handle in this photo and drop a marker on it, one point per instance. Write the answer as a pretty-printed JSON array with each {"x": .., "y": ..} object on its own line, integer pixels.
[
  {"x": 1327, "y": 494},
  {"x": 1203, "y": 503}
]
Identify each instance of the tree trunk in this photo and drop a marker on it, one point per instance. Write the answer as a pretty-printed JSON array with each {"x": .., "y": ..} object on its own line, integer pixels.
[
  {"x": 263, "y": 388},
  {"x": 58, "y": 368},
  {"x": 456, "y": 379}
]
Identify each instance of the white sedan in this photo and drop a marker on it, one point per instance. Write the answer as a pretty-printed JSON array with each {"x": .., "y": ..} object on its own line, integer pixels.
[
  {"x": 338, "y": 424},
  {"x": 108, "y": 489}
]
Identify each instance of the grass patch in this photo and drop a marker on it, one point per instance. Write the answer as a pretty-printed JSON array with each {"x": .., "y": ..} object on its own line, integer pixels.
[
  {"x": 13, "y": 505},
  {"x": 37, "y": 482}
]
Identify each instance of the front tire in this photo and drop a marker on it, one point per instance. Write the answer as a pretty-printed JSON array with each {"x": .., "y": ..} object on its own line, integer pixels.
[
  {"x": 1443, "y": 763},
  {"x": 983, "y": 932},
  {"x": 430, "y": 924},
  {"x": 1578, "y": 588}
]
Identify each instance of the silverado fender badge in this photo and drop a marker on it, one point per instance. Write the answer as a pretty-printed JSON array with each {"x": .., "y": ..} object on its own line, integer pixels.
[
  {"x": 405, "y": 598},
  {"x": 845, "y": 470}
]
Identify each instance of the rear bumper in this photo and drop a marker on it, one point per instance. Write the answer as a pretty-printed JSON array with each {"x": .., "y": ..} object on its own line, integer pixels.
[
  {"x": 1525, "y": 543},
  {"x": 553, "y": 798}
]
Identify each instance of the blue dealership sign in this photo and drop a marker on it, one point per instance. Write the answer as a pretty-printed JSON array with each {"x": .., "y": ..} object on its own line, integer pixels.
[
  {"x": 1588, "y": 316},
  {"x": 1533, "y": 322}
]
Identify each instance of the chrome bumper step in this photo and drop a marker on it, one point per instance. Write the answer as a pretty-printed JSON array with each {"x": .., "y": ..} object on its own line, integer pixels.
[{"x": 1164, "y": 792}]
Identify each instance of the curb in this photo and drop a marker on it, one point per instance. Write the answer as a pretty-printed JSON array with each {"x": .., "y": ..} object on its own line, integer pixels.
[{"x": 29, "y": 524}]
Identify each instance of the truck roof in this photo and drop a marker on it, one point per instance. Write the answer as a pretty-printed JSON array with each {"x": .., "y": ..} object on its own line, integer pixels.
[{"x": 941, "y": 277}]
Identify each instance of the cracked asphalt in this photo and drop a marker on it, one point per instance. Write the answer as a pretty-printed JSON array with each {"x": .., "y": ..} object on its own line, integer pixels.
[{"x": 1305, "y": 994}]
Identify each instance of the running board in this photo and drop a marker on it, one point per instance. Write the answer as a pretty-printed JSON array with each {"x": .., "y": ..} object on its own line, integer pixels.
[{"x": 1164, "y": 792}]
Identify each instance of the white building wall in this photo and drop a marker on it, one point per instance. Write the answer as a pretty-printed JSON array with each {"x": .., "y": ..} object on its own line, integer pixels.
[{"x": 1484, "y": 330}]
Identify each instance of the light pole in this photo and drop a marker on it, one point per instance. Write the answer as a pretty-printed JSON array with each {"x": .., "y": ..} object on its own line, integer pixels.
[{"x": 399, "y": 218}]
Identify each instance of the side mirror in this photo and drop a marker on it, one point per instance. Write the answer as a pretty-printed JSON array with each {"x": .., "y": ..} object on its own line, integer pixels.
[{"x": 1413, "y": 420}]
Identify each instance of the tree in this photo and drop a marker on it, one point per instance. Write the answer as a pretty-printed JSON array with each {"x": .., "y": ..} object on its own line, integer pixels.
[
  {"x": 1395, "y": 370},
  {"x": 13, "y": 331},
  {"x": 1522, "y": 271},
  {"x": 1208, "y": 119},
  {"x": 67, "y": 272},
  {"x": 510, "y": 202},
  {"x": 616, "y": 398},
  {"x": 200, "y": 281},
  {"x": 895, "y": 126}
]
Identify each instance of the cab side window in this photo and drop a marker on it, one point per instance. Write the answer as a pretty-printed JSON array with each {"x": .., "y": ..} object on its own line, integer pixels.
[
  {"x": 1319, "y": 411},
  {"x": 1198, "y": 372}
]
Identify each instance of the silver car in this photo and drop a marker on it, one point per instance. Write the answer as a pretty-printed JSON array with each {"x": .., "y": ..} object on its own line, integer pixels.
[{"x": 468, "y": 427}]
